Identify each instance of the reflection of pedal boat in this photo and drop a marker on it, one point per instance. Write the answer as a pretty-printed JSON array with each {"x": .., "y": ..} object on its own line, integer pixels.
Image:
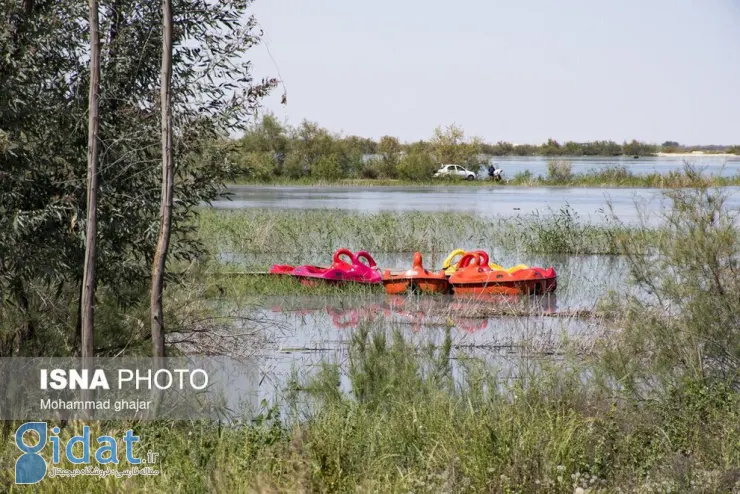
[
  {"x": 415, "y": 278},
  {"x": 474, "y": 276},
  {"x": 339, "y": 271},
  {"x": 450, "y": 267}
]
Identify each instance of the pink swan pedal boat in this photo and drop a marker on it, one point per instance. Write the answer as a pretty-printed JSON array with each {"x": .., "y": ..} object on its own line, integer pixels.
[{"x": 339, "y": 271}]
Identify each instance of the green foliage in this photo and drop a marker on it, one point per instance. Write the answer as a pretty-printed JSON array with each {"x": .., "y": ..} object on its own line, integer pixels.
[
  {"x": 327, "y": 168},
  {"x": 407, "y": 426},
  {"x": 572, "y": 149},
  {"x": 636, "y": 148},
  {"x": 417, "y": 165},
  {"x": 501, "y": 148},
  {"x": 390, "y": 150},
  {"x": 559, "y": 171},
  {"x": 524, "y": 178},
  {"x": 449, "y": 146},
  {"x": 602, "y": 148},
  {"x": 551, "y": 148},
  {"x": 43, "y": 103},
  {"x": 689, "y": 326},
  {"x": 315, "y": 231},
  {"x": 258, "y": 166},
  {"x": 294, "y": 167},
  {"x": 372, "y": 170}
]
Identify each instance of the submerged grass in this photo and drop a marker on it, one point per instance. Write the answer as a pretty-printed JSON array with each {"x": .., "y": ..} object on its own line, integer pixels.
[{"x": 310, "y": 231}]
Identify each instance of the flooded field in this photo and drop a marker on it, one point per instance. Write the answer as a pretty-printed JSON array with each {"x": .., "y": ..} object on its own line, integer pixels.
[
  {"x": 299, "y": 332},
  {"x": 590, "y": 203}
]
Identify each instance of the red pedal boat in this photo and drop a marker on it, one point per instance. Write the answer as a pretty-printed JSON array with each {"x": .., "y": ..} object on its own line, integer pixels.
[
  {"x": 339, "y": 271},
  {"x": 474, "y": 277}
]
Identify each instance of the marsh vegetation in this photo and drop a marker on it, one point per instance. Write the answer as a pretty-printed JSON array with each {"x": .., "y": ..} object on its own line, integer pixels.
[{"x": 648, "y": 402}]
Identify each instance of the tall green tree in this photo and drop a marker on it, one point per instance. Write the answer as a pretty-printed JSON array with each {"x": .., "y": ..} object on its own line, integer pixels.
[
  {"x": 449, "y": 146},
  {"x": 390, "y": 151},
  {"x": 44, "y": 68}
]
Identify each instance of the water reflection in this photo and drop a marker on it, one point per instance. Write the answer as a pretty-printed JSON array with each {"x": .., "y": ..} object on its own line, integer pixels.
[{"x": 468, "y": 314}]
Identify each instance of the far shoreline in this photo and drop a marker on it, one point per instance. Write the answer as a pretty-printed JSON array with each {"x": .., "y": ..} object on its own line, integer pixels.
[{"x": 698, "y": 154}]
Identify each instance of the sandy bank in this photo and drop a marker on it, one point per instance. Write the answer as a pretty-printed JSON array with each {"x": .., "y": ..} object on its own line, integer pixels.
[{"x": 699, "y": 154}]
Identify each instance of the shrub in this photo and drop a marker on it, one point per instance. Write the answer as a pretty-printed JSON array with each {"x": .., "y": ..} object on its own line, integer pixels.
[
  {"x": 257, "y": 166},
  {"x": 524, "y": 178},
  {"x": 559, "y": 171},
  {"x": 417, "y": 166},
  {"x": 328, "y": 168},
  {"x": 689, "y": 326},
  {"x": 293, "y": 166},
  {"x": 370, "y": 170}
]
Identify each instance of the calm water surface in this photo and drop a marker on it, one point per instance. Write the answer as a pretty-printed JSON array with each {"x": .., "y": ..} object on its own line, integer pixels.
[
  {"x": 300, "y": 334},
  {"x": 589, "y": 203},
  {"x": 712, "y": 165}
]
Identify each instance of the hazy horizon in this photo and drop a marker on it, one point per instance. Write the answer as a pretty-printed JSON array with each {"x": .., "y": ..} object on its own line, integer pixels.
[{"x": 574, "y": 70}]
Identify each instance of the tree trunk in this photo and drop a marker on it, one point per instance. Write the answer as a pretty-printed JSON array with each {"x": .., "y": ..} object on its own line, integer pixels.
[
  {"x": 168, "y": 186},
  {"x": 88, "y": 276}
]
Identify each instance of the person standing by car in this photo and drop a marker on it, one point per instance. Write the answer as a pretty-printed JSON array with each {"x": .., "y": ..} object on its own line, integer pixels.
[{"x": 495, "y": 173}]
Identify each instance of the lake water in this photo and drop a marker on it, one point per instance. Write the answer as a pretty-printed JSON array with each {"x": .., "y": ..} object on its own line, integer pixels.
[
  {"x": 589, "y": 203},
  {"x": 712, "y": 165},
  {"x": 300, "y": 334}
]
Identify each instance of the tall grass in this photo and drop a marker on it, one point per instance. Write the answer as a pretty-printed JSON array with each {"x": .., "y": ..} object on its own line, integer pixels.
[
  {"x": 653, "y": 408},
  {"x": 296, "y": 231},
  {"x": 410, "y": 424}
]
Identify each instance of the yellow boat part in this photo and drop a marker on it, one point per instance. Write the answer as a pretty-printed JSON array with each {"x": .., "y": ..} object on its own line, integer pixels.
[{"x": 450, "y": 263}]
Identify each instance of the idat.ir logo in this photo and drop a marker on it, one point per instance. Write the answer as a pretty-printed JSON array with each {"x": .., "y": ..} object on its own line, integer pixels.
[{"x": 30, "y": 467}]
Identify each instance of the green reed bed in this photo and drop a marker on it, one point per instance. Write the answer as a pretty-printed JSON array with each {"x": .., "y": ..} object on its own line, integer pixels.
[
  {"x": 652, "y": 406},
  {"x": 411, "y": 424},
  {"x": 296, "y": 231}
]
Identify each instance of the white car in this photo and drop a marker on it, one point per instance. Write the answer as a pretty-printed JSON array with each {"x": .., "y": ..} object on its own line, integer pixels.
[{"x": 455, "y": 170}]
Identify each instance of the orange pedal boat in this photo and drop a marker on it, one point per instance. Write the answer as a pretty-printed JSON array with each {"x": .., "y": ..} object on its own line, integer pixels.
[
  {"x": 416, "y": 278},
  {"x": 474, "y": 277}
]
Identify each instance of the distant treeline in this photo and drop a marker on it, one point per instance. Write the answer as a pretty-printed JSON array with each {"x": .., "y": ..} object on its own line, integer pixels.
[{"x": 270, "y": 149}]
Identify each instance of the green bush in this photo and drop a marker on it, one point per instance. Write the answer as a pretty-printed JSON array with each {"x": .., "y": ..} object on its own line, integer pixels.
[
  {"x": 371, "y": 170},
  {"x": 559, "y": 171},
  {"x": 257, "y": 166},
  {"x": 293, "y": 166},
  {"x": 524, "y": 178},
  {"x": 328, "y": 168},
  {"x": 417, "y": 166},
  {"x": 689, "y": 327}
]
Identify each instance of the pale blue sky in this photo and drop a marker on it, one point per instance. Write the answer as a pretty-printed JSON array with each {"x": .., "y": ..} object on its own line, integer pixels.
[{"x": 519, "y": 71}]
